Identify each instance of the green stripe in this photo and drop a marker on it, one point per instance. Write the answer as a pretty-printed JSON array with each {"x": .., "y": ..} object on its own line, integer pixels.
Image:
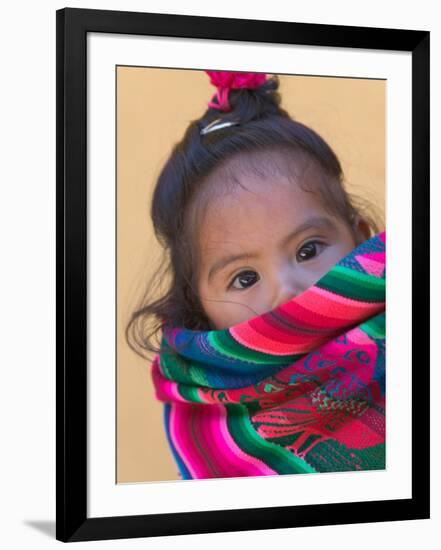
[
  {"x": 353, "y": 284},
  {"x": 332, "y": 456},
  {"x": 375, "y": 327},
  {"x": 179, "y": 370},
  {"x": 189, "y": 393},
  {"x": 278, "y": 458}
]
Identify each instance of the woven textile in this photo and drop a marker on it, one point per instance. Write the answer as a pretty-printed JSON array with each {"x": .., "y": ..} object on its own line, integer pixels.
[{"x": 298, "y": 389}]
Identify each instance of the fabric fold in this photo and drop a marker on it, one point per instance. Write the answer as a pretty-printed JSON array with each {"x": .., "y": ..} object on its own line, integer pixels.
[{"x": 299, "y": 389}]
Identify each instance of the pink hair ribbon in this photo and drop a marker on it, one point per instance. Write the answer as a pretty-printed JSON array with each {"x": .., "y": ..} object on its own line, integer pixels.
[{"x": 230, "y": 80}]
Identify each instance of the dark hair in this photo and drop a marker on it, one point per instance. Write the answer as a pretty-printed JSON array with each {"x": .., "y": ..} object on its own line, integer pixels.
[{"x": 265, "y": 131}]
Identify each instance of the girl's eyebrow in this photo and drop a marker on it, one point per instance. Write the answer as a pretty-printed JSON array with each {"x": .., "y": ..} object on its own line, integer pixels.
[
  {"x": 317, "y": 222},
  {"x": 222, "y": 262}
]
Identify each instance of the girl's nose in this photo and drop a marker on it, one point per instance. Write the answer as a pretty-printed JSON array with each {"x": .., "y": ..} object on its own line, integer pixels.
[{"x": 285, "y": 292}]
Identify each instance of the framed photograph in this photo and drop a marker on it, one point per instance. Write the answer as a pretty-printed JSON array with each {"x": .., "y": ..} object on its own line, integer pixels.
[{"x": 224, "y": 192}]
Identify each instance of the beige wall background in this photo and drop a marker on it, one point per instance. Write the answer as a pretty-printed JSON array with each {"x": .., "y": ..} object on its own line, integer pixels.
[{"x": 154, "y": 106}]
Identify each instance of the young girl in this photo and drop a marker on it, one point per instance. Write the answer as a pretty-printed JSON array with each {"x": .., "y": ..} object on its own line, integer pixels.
[{"x": 272, "y": 348}]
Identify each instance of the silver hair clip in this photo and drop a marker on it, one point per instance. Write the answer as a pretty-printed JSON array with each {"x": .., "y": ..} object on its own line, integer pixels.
[{"x": 217, "y": 125}]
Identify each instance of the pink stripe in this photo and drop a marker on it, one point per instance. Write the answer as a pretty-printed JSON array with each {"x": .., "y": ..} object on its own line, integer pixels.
[
  {"x": 305, "y": 320},
  {"x": 358, "y": 435},
  {"x": 170, "y": 391},
  {"x": 213, "y": 456},
  {"x": 258, "y": 342},
  {"x": 263, "y": 328},
  {"x": 165, "y": 389},
  {"x": 221, "y": 457},
  {"x": 226, "y": 457},
  {"x": 254, "y": 466},
  {"x": 327, "y": 304},
  {"x": 183, "y": 445},
  {"x": 260, "y": 335}
]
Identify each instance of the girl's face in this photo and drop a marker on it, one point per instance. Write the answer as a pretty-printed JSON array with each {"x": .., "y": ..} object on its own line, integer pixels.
[{"x": 263, "y": 245}]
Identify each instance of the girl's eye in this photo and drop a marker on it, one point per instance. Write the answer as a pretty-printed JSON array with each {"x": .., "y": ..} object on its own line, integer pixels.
[
  {"x": 244, "y": 280},
  {"x": 308, "y": 250}
]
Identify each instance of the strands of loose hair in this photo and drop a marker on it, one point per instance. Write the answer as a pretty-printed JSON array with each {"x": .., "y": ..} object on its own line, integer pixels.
[{"x": 201, "y": 167}]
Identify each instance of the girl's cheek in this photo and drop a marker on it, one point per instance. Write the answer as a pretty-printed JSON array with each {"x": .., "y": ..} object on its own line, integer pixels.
[{"x": 313, "y": 270}]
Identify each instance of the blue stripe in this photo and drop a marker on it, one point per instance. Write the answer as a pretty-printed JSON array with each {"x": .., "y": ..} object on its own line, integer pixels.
[{"x": 182, "y": 468}]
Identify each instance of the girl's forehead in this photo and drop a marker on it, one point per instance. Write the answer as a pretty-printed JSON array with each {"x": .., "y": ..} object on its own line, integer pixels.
[
  {"x": 255, "y": 171},
  {"x": 256, "y": 210},
  {"x": 263, "y": 166},
  {"x": 254, "y": 194}
]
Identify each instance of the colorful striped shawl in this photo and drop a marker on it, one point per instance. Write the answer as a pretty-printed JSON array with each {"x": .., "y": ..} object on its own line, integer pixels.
[{"x": 298, "y": 389}]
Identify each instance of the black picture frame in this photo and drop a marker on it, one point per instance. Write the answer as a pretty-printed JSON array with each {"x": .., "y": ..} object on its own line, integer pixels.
[{"x": 72, "y": 522}]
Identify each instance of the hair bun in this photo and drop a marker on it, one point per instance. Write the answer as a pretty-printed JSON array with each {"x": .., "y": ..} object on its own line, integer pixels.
[
  {"x": 243, "y": 97},
  {"x": 231, "y": 80}
]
